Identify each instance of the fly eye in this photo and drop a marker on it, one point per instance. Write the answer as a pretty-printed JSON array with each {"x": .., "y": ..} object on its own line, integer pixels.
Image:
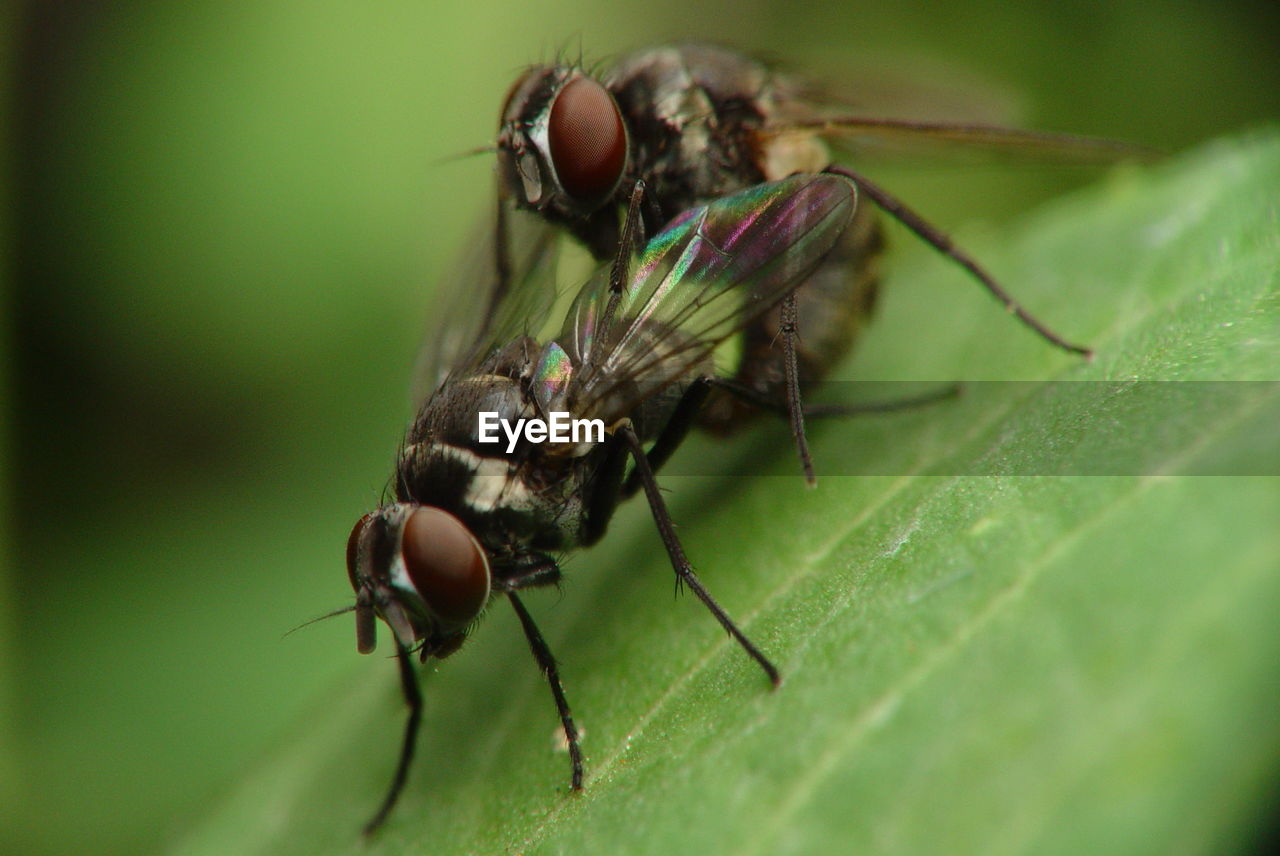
[
  {"x": 588, "y": 141},
  {"x": 446, "y": 565}
]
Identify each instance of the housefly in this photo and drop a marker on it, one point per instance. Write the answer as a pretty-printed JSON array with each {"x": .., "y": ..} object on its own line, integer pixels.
[
  {"x": 695, "y": 122},
  {"x": 472, "y": 521}
]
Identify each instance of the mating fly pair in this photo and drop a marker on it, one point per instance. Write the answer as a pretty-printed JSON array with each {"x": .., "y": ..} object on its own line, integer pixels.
[
  {"x": 755, "y": 233},
  {"x": 472, "y": 519}
]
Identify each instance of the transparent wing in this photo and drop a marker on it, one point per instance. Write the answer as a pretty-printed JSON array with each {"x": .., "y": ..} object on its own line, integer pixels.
[
  {"x": 712, "y": 271},
  {"x": 924, "y": 126},
  {"x": 502, "y": 287},
  {"x": 865, "y": 135},
  {"x": 891, "y": 86}
]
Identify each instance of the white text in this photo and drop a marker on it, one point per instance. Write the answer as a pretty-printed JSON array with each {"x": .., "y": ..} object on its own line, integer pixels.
[{"x": 559, "y": 429}]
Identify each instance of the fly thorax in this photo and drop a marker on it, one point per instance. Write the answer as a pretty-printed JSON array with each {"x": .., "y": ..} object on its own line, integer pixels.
[
  {"x": 470, "y": 414},
  {"x": 458, "y": 457},
  {"x": 787, "y": 154}
]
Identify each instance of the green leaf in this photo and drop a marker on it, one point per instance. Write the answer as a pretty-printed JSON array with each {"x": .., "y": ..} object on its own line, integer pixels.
[{"x": 1073, "y": 650}]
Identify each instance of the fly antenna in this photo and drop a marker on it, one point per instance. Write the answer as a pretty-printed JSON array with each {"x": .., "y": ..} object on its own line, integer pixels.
[
  {"x": 342, "y": 611},
  {"x": 490, "y": 149}
]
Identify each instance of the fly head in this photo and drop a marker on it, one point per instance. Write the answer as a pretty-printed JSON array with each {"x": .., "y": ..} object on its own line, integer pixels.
[
  {"x": 422, "y": 571},
  {"x": 563, "y": 146}
]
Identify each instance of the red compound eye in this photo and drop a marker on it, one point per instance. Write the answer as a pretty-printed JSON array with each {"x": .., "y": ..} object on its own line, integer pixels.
[
  {"x": 588, "y": 141},
  {"x": 446, "y": 565}
]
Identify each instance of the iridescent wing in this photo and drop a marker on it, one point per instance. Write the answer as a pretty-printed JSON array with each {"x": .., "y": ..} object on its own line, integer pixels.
[
  {"x": 502, "y": 288},
  {"x": 712, "y": 271}
]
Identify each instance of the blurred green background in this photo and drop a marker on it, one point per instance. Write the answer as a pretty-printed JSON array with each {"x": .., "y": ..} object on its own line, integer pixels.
[{"x": 229, "y": 219}]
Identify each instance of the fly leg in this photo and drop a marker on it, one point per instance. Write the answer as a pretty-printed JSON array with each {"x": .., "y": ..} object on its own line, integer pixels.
[
  {"x": 822, "y": 411},
  {"x": 540, "y": 570},
  {"x": 684, "y": 570},
  {"x": 501, "y": 264},
  {"x": 603, "y": 492},
  {"x": 413, "y": 698},
  {"x": 932, "y": 235},
  {"x": 543, "y": 571},
  {"x": 632, "y": 237},
  {"x": 673, "y": 433},
  {"x": 790, "y": 331},
  {"x": 547, "y": 663},
  {"x": 685, "y": 415}
]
